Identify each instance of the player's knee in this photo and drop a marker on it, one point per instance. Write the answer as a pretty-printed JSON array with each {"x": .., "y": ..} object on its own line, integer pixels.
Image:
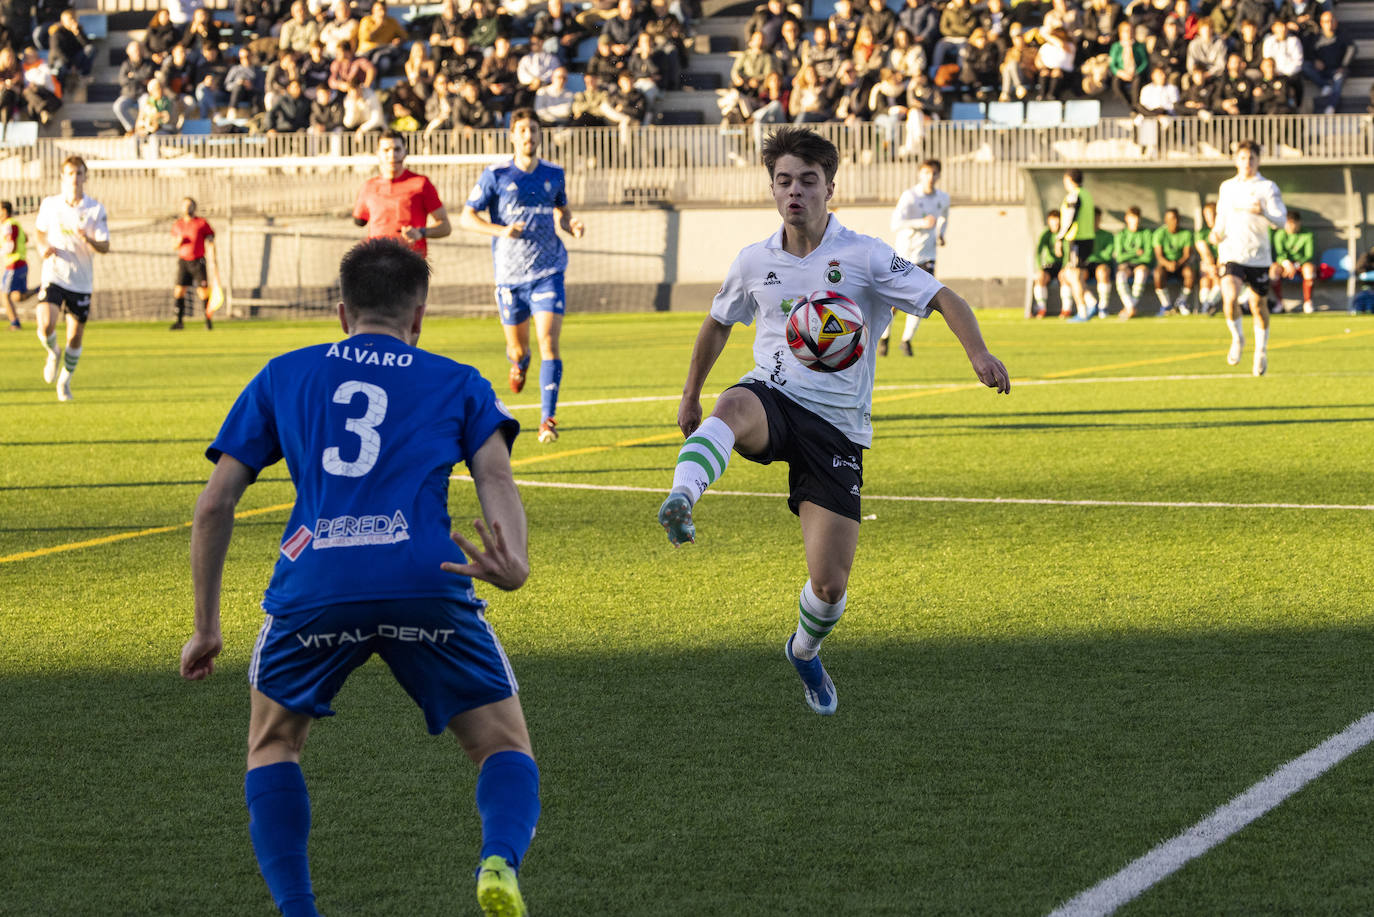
[{"x": 830, "y": 587}]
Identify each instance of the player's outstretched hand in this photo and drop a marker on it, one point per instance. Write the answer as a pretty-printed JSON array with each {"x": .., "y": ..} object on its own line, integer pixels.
[
  {"x": 198, "y": 656},
  {"x": 577, "y": 229},
  {"x": 689, "y": 415},
  {"x": 513, "y": 230},
  {"x": 492, "y": 563},
  {"x": 991, "y": 372}
]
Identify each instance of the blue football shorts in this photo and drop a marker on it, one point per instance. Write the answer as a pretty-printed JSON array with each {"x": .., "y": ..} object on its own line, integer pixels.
[
  {"x": 519, "y": 301},
  {"x": 15, "y": 279},
  {"x": 443, "y": 653}
]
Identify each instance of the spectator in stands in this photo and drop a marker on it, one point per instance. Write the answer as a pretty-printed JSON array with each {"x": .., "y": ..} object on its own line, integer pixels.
[
  {"x": 591, "y": 19},
  {"x": 326, "y": 111},
  {"x": 447, "y": 26},
  {"x": 980, "y": 61},
  {"x": 604, "y": 63},
  {"x": 178, "y": 73},
  {"x": 1101, "y": 19},
  {"x": 1198, "y": 94},
  {"x": 1207, "y": 50},
  {"x": 42, "y": 93},
  {"x": 843, "y": 25},
  {"x": 340, "y": 28},
  {"x": 1284, "y": 46},
  {"x": 244, "y": 83},
  {"x": 405, "y": 108},
  {"x": 881, "y": 21},
  {"x": 12, "y": 85},
  {"x": 627, "y": 107},
  {"x": 290, "y": 113},
  {"x": 588, "y": 104},
  {"x": 470, "y": 111},
  {"x": 1158, "y": 98},
  {"x": 254, "y": 18},
  {"x": 670, "y": 42},
  {"x": 70, "y": 49},
  {"x": 488, "y": 23},
  {"x": 807, "y": 103},
  {"x": 1169, "y": 51},
  {"x": 157, "y": 110},
  {"x": 420, "y": 69},
  {"x": 1225, "y": 22},
  {"x": 922, "y": 19},
  {"x": 1128, "y": 62},
  {"x": 1260, "y": 12},
  {"x": 924, "y": 104},
  {"x": 1150, "y": 15},
  {"x": 887, "y": 102},
  {"x": 644, "y": 69},
  {"x": 182, "y": 11},
  {"x": 1066, "y": 16},
  {"x": 208, "y": 77},
  {"x": 1054, "y": 66},
  {"x": 553, "y": 102},
  {"x": 751, "y": 67},
  {"x": 1274, "y": 93},
  {"x": 1235, "y": 92},
  {"x": 159, "y": 39},
  {"x": 315, "y": 68},
  {"x": 1295, "y": 255},
  {"x": 498, "y": 75},
  {"x": 298, "y": 31},
  {"x": 904, "y": 55},
  {"x": 957, "y": 22},
  {"x": 280, "y": 73},
  {"x": 822, "y": 54},
  {"x": 848, "y": 96},
  {"x": 134, "y": 75},
  {"x": 1185, "y": 17},
  {"x": 867, "y": 55},
  {"x": 533, "y": 70},
  {"x": 439, "y": 105},
  {"x": 623, "y": 28},
  {"x": 348, "y": 68},
  {"x": 556, "y": 28},
  {"x": 461, "y": 61},
  {"x": 1326, "y": 62},
  {"x": 201, "y": 31},
  {"x": 1249, "y": 44},
  {"x": 44, "y": 14},
  {"x": 1018, "y": 65},
  {"x": 788, "y": 51},
  {"x": 380, "y": 38},
  {"x": 362, "y": 109},
  {"x": 768, "y": 19},
  {"x": 1301, "y": 15}
]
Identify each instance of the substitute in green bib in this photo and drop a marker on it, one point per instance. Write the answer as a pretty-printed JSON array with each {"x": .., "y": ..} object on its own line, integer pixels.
[
  {"x": 1174, "y": 260},
  {"x": 1294, "y": 255}
]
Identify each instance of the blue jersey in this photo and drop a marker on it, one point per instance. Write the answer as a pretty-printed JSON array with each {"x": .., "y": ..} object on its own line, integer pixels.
[
  {"x": 370, "y": 428},
  {"x": 508, "y": 194}
]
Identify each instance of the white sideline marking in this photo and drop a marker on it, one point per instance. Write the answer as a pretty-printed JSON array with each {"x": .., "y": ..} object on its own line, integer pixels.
[
  {"x": 1170, "y": 856},
  {"x": 918, "y": 386},
  {"x": 902, "y": 498}
]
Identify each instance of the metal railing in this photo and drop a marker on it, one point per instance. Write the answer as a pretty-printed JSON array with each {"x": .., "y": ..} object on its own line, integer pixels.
[{"x": 674, "y": 165}]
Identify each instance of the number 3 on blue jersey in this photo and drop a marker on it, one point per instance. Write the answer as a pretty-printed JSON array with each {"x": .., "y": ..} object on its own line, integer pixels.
[{"x": 363, "y": 427}]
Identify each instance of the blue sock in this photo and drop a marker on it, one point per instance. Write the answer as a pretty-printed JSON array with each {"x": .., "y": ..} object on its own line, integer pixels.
[
  {"x": 524, "y": 362},
  {"x": 279, "y": 823},
  {"x": 550, "y": 377},
  {"x": 508, "y": 803}
]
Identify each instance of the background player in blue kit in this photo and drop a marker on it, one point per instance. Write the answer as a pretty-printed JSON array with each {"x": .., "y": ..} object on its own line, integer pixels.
[
  {"x": 370, "y": 428},
  {"x": 526, "y": 202}
]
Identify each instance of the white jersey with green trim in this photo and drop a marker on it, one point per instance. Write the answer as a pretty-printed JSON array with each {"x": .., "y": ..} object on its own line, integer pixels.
[
  {"x": 1244, "y": 234},
  {"x": 764, "y": 282},
  {"x": 71, "y": 265},
  {"x": 917, "y": 243}
]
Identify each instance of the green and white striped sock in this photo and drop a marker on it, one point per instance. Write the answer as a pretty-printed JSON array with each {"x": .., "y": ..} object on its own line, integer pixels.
[
  {"x": 815, "y": 620},
  {"x": 70, "y": 358},
  {"x": 702, "y": 459}
]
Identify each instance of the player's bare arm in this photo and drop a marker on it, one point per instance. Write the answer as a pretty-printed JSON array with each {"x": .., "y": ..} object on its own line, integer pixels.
[
  {"x": 211, "y": 530},
  {"x": 962, "y": 322},
  {"x": 473, "y": 221},
  {"x": 503, "y": 559},
  {"x": 97, "y": 246},
  {"x": 40, "y": 239},
  {"x": 568, "y": 223},
  {"x": 437, "y": 226},
  {"x": 710, "y": 342}
]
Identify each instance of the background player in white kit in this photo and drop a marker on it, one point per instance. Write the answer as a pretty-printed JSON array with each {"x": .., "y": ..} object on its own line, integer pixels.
[
  {"x": 69, "y": 230},
  {"x": 818, "y": 423},
  {"x": 1246, "y": 207},
  {"x": 919, "y": 219}
]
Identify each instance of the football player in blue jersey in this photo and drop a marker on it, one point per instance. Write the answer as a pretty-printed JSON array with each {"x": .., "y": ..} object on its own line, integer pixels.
[
  {"x": 522, "y": 203},
  {"x": 370, "y": 428}
]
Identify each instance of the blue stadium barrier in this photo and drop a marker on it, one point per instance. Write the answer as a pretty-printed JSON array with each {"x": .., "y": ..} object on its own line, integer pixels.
[
  {"x": 586, "y": 48},
  {"x": 1006, "y": 114},
  {"x": 197, "y": 127},
  {"x": 390, "y": 82},
  {"x": 95, "y": 25},
  {"x": 1044, "y": 114},
  {"x": 1082, "y": 113},
  {"x": 577, "y": 82},
  {"x": 969, "y": 112}
]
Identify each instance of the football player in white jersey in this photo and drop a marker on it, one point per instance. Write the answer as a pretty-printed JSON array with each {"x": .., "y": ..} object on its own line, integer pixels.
[
  {"x": 1247, "y": 205},
  {"x": 816, "y": 422},
  {"x": 69, "y": 231},
  {"x": 919, "y": 219}
]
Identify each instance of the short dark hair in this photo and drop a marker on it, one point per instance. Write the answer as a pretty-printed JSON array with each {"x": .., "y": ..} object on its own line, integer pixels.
[
  {"x": 524, "y": 114},
  {"x": 381, "y": 277},
  {"x": 933, "y": 164},
  {"x": 1250, "y": 145},
  {"x": 6, "y": 208},
  {"x": 805, "y": 144},
  {"x": 1295, "y": 216},
  {"x": 1132, "y": 211},
  {"x": 1074, "y": 175},
  {"x": 1173, "y": 210},
  {"x": 390, "y": 134}
]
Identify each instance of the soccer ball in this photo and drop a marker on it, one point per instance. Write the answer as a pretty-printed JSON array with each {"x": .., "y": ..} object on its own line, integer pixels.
[{"x": 826, "y": 331}]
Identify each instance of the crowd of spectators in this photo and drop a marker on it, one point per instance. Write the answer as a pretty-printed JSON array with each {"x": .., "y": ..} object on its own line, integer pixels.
[
  {"x": 323, "y": 68},
  {"x": 1162, "y": 58}
]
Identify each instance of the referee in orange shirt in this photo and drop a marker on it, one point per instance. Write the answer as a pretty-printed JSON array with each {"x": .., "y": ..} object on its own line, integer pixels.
[{"x": 400, "y": 203}]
